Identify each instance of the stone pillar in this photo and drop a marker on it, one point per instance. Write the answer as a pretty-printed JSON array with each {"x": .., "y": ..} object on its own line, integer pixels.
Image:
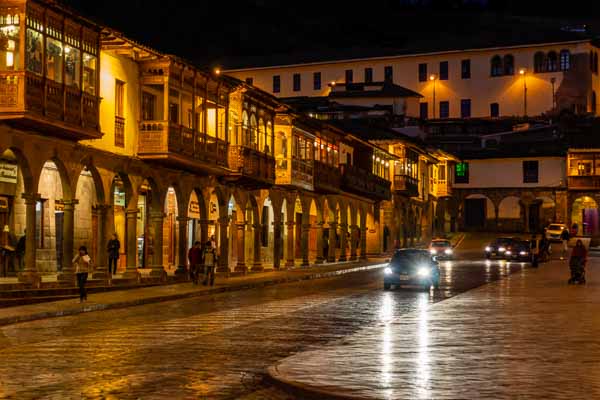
[
  {"x": 223, "y": 265},
  {"x": 30, "y": 274},
  {"x": 354, "y": 235},
  {"x": 304, "y": 240},
  {"x": 332, "y": 241},
  {"x": 182, "y": 247},
  {"x": 320, "y": 255},
  {"x": 363, "y": 242},
  {"x": 343, "y": 241},
  {"x": 104, "y": 233},
  {"x": 68, "y": 274},
  {"x": 256, "y": 262},
  {"x": 496, "y": 222},
  {"x": 156, "y": 223},
  {"x": 131, "y": 271},
  {"x": 204, "y": 231},
  {"x": 241, "y": 247},
  {"x": 291, "y": 256},
  {"x": 277, "y": 244}
]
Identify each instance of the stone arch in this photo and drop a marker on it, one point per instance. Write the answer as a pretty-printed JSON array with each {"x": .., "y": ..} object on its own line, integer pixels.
[
  {"x": 479, "y": 212},
  {"x": 89, "y": 195},
  {"x": 584, "y": 213}
]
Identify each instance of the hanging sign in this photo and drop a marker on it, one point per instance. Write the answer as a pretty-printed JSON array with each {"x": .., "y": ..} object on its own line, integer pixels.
[
  {"x": 8, "y": 172},
  {"x": 194, "y": 210}
]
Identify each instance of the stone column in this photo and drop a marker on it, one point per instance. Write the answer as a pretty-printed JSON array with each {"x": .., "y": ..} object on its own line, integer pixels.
[
  {"x": 182, "y": 247},
  {"x": 30, "y": 274},
  {"x": 304, "y": 241},
  {"x": 354, "y": 234},
  {"x": 256, "y": 263},
  {"x": 291, "y": 256},
  {"x": 363, "y": 242},
  {"x": 277, "y": 245},
  {"x": 68, "y": 274},
  {"x": 332, "y": 241},
  {"x": 104, "y": 233},
  {"x": 320, "y": 255},
  {"x": 131, "y": 271},
  {"x": 343, "y": 241},
  {"x": 204, "y": 231},
  {"x": 156, "y": 224},
  {"x": 223, "y": 265},
  {"x": 241, "y": 247}
]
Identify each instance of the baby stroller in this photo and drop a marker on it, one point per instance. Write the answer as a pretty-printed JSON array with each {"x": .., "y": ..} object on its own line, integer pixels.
[{"x": 577, "y": 265}]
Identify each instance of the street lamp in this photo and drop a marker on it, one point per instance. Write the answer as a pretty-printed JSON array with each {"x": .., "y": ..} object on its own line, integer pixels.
[
  {"x": 433, "y": 78},
  {"x": 523, "y": 72}
]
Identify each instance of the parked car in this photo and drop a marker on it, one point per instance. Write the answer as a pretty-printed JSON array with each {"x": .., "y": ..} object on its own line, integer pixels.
[
  {"x": 412, "y": 267},
  {"x": 553, "y": 232},
  {"x": 441, "y": 248},
  {"x": 501, "y": 247}
]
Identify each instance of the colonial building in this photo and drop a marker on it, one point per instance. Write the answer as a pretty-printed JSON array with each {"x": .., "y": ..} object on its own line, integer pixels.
[
  {"x": 583, "y": 174},
  {"x": 103, "y": 135}
]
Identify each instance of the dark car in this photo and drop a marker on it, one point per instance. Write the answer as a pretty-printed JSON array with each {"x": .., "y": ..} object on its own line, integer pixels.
[
  {"x": 412, "y": 267},
  {"x": 521, "y": 251},
  {"x": 501, "y": 247}
]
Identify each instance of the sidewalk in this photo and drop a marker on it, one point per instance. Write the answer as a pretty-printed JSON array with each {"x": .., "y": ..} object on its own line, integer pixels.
[
  {"x": 529, "y": 336},
  {"x": 155, "y": 294}
]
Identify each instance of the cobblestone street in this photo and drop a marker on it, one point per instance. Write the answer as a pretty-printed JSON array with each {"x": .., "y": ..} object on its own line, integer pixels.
[{"x": 210, "y": 347}]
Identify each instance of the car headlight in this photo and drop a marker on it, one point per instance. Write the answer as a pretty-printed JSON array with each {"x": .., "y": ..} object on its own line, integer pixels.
[
  {"x": 448, "y": 251},
  {"x": 387, "y": 271},
  {"x": 423, "y": 271},
  {"x": 501, "y": 249},
  {"x": 433, "y": 251},
  {"x": 522, "y": 253},
  {"x": 488, "y": 248},
  {"x": 508, "y": 252}
]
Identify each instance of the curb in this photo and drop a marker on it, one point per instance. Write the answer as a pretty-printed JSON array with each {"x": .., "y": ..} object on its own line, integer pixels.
[{"x": 179, "y": 296}]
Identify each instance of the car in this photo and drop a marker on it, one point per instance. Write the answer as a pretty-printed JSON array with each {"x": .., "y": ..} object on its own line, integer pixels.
[
  {"x": 412, "y": 267},
  {"x": 441, "y": 248},
  {"x": 521, "y": 251},
  {"x": 501, "y": 247},
  {"x": 554, "y": 231}
]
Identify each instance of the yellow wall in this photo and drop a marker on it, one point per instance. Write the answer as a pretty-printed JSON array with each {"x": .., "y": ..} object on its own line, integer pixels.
[
  {"x": 114, "y": 67},
  {"x": 482, "y": 88}
]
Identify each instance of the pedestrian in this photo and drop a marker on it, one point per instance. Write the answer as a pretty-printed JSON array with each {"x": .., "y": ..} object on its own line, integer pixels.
[
  {"x": 564, "y": 236},
  {"x": 195, "y": 260},
  {"x": 20, "y": 250},
  {"x": 579, "y": 253},
  {"x": 209, "y": 259},
  {"x": 213, "y": 242},
  {"x": 83, "y": 265},
  {"x": 113, "y": 248}
]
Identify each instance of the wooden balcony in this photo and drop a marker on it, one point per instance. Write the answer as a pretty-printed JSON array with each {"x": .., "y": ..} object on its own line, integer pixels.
[
  {"x": 295, "y": 173},
  {"x": 584, "y": 182},
  {"x": 327, "y": 178},
  {"x": 175, "y": 145},
  {"x": 33, "y": 102},
  {"x": 443, "y": 190},
  {"x": 406, "y": 185},
  {"x": 250, "y": 168},
  {"x": 364, "y": 183}
]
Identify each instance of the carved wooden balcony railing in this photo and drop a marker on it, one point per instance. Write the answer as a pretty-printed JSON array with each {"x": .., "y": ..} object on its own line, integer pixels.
[
  {"x": 174, "y": 144},
  {"x": 364, "y": 183},
  {"x": 584, "y": 182},
  {"x": 327, "y": 178},
  {"x": 250, "y": 167},
  {"x": 406, "y": 185},
  {"x": 294, "y": 172},
  {"x": 443, "y": 190},
  {"x": 35, "y": 102}
]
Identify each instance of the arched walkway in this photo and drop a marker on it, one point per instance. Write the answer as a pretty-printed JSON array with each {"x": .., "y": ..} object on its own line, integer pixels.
[{"x": 585, "y": 214}]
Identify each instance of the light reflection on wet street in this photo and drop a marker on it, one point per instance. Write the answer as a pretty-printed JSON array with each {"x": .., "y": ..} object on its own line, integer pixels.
[{"x": 209, "y": 347}]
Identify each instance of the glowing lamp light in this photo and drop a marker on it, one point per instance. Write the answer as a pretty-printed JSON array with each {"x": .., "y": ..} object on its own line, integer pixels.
[
  {"x": 432, "y": 77},
  {"x": 522, "y": 71},
  {"x": 217, "y": 71}
]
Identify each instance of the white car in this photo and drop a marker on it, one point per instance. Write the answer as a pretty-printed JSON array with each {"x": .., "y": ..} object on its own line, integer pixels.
[{"x": 554, "y": 231}]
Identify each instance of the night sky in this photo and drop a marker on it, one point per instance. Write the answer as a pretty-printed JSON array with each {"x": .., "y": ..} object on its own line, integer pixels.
[{"x": 232, "y": 34}]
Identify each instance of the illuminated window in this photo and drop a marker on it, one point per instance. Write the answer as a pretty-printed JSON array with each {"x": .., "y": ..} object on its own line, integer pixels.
[
  {"x": 34, "y": 53},
  {"x": 119, "y": 113},
  {"x": 565, "y": 60},
  {"x": 461, "y": 173},
  {"x": 54, "y": 59},
  {"x": 10, "y": 48},
  {"x": 72, "y": 66},
  {"x": 89, "y": 73}
]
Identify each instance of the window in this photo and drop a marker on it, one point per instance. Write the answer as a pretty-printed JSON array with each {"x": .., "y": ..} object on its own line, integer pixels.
[
  {"x": 494, "y": 110},
  {"x": 530, "y": 171},
  {"x": 174, "y": 113},
  {"x": 276, "y": 83},
  {"x": 551, "y": 62},
  {"x": 10, "y": 45},
  {"x": 565, "y": 60},
  {"x": 422, "y": 72},
  {"x": 443, "y": 70},
  {"x": 317, "y": 81},
  {"x": 119, "y": 113},
  {"x": 34, "y": 51},
  {"x": 54, "y": 59},
  {"x": 444, "y": 109},
  {"x": 496, "y": 66},
  {"x": 89, "y": 73},
  {"x": 368, "y": 75},
  {"x": 465, "y": 108},
  {"x": 509, "y": 64},
  {"x": 349, "y": 76},
  {"x": 72, "y": 66},
  {"x": 423, "y": 110},
  {"x": 461, "y": 173},
  {"x": 148, "y": 106},
  {"x": 465, "y": 69},
  {"x": 388, "y": 73},
  {"x": 250, "y": 81},
  {"x": 296, "y": 82},
  {"x": 539, "y": 62}
]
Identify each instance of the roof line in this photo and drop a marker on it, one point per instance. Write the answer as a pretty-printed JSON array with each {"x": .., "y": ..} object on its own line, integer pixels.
[{"x": 405, "y": 55}]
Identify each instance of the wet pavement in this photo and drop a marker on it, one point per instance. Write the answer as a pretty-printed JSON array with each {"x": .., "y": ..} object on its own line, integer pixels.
[{"x": 214, "y": 347}]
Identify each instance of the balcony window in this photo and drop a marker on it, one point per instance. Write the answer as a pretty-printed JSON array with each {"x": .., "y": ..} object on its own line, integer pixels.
[
  {"x": 90, "y": 64},
  {"x": 221, "y": 123},
  {"x": 10, "y": 48},
  {"x": 174, "y": 113},
  {"x": 54, "y": 59},
  {"x": 270, "y": 139},
  {"x": 200, "y": 114},
  {"x": 281, "y": 151},
  {"x": 262, "y": 136},
  {"x": 72, "y": 66},
  {"x": 211, "y": 120},
  {"x": 252, "y": 133},
  {"x": 34, "y": 53},
  {"x": 148, "y": 106}
]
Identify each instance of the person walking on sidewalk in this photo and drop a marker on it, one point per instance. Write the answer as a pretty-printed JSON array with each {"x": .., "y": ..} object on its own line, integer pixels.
[
  {"x": 113, "y": 248},
  {"x": 83, "y": 265},
  {"x": 209, "y": 259},
  {"x": 20, "y": 250},
  {"x": 564, "y": 236},
  {"x": 195, "y": 259}
]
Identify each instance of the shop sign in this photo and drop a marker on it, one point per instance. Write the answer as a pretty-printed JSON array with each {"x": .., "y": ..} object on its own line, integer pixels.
[
  {"x": 8, "y": 172},
  {"x": 194, "y": 210}
]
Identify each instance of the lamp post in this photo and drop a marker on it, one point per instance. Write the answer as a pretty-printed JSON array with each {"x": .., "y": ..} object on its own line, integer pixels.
[
  {"x": 433, "y": 78},
  {"x": 523, "y": 72}
]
